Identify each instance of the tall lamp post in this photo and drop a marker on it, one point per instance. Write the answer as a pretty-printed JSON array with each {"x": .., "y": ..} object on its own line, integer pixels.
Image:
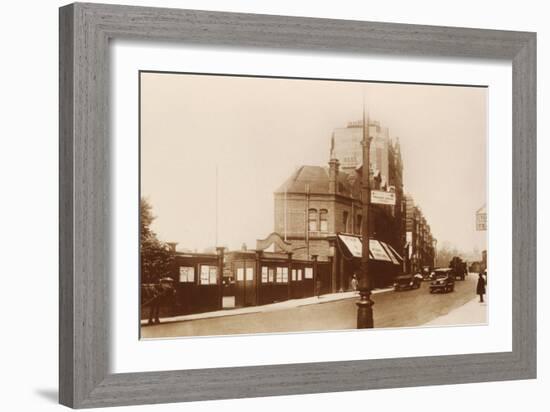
[{"x": 364, "y": 305}]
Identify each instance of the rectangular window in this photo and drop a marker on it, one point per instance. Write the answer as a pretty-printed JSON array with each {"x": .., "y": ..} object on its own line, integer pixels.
[
  {"x": 312, "y": 220},
  {"x": 299, "y": 274},
  {"x": 187, "y": 274},
  {"x": 359, "y": 224},
  {"x": 264, "y": 274},
  {"x": 282, "y": 275},
  {"x": 213, "y": 275},
  {"x": 271, "y": 275},
  {"x": 309, "y": 273},
  {"x": 279, "y": 278},
  {"x": 345, "y": 221},
  {"x": 249, "y": 273},
  {"x": 323, "y": 220},
  {"x": 209, "y": 275},
  {"x": 293, "y": 274},
  {"x": 240, "y": 274}
]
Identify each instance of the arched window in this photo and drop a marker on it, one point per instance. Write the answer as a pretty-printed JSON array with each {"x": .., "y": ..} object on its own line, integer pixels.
[
  {"x": 323, "y": 220},
  {"x": 359, "y": 224},
  {"x": 312, "y": 220},
  {"x": 345, "y": 217}
]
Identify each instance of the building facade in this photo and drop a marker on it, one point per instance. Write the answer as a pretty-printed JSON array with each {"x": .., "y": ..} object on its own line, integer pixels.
[
  {"x": 346, "y": 147},
  {"x": 421, "y": 245},
  {"x": 317, "y": 203}
]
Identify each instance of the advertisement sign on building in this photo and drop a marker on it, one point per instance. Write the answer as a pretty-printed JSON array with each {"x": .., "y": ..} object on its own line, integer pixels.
[
  {"x": 377, "y": 251},
  {"x": 409, "y": 239},
  {"x": 481, "y": 219},
  {"x": 380, "y": 197},
  {"x": 353, "y": 244},
  {"x": 355, "y": 247}
]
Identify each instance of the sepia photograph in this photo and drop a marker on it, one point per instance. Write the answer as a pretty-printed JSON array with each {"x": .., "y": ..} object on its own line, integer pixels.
[{"x": 284, "y": 205}]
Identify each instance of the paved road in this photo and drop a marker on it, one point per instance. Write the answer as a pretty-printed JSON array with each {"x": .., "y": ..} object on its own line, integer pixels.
[{"x": 391, "y": 309}]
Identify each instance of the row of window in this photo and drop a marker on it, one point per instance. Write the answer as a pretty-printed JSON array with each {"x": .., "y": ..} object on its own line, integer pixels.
[
  {"x": 318, "y": 221},
  {"x": 280, "y": 274},
  {"x": 209, "y": 274},
  {"x": 358, "y": 222}
]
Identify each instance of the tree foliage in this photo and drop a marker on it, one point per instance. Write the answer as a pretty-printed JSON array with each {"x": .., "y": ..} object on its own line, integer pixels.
[
  {"x": 445, "y": 254},
  {"x": 156, "y": 257}
]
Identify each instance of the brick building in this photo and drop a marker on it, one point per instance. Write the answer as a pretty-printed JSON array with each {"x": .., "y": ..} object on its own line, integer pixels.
[
  {"x": 317, "y": 202},
  {"x": 420, "y": 241}
]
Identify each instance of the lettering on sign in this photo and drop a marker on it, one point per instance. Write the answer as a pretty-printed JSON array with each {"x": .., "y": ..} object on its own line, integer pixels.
[
  {"x": 481, "y": 219},
  {"x": 382, "y": 198}
]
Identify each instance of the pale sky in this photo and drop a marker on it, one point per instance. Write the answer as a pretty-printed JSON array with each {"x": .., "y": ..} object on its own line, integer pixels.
[{"x": 255, "y": 132}]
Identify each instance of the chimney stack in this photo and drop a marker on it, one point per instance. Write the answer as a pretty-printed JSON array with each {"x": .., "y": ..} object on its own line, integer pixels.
[{"x": 333, "y": 176}]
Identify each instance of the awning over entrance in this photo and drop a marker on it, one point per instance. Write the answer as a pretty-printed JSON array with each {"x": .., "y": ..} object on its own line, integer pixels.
[{"x": 379, "y": 250}]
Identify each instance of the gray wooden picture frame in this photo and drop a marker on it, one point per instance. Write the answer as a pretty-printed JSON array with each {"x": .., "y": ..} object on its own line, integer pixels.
[{"x": 85, "y": 32}]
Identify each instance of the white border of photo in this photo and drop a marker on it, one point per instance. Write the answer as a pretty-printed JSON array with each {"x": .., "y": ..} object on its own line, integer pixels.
[{"x": 130, "y": 354}]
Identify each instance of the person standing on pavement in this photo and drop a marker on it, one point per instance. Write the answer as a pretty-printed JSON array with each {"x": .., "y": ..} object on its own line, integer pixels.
[
  {"x": 354, "y": 283},
  {"x": 480, "y": 290}
]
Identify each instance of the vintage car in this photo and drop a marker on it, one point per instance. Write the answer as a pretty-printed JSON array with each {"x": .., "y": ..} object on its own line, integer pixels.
[
  {"x": 443, "y": 280},
  {"x": 408, "y": 281},
  {"x": 426, "y": 272}
]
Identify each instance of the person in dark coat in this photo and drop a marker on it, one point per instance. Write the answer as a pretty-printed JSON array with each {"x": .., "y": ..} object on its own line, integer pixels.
[{"x": 480, "y": 290}]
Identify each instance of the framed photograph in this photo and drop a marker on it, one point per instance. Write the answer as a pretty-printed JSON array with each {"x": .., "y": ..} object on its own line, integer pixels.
[{"x": 259, "y": 205}]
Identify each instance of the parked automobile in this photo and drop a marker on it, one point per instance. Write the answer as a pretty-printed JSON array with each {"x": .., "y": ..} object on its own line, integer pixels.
[
  {"x": 407, "y": 281},
  {"x": 426, "y": 272},
  {"x": 443, "y": 280}
]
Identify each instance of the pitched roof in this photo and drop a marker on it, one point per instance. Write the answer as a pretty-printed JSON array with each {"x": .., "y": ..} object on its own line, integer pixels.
[{"x": 317, "y": 178}]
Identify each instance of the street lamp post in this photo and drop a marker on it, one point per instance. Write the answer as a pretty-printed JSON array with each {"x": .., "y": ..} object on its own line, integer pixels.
[{"x": 364, "y": 305}]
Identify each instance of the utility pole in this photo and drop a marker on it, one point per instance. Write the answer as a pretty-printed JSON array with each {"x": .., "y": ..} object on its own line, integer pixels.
[{"x": 364, "y": 305}]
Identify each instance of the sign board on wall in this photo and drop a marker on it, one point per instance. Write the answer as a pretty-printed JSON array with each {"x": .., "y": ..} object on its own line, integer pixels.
[
  {"x": 481, "y": 219},
  {"x": 380, "y": 197},
  {"x": 409, "y": 239}
]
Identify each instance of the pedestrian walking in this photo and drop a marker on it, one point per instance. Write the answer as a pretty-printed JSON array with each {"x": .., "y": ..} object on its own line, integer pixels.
[
  {"x": 480, "y": 290},
  {"x": 354, "y": 283},
  {"x": 318, "y": 286}
]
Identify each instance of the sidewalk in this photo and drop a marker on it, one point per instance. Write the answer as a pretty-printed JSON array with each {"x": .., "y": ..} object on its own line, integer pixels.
[
  {"x": 472, "y": 312},
  {"x": 287, "y": 304}
]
